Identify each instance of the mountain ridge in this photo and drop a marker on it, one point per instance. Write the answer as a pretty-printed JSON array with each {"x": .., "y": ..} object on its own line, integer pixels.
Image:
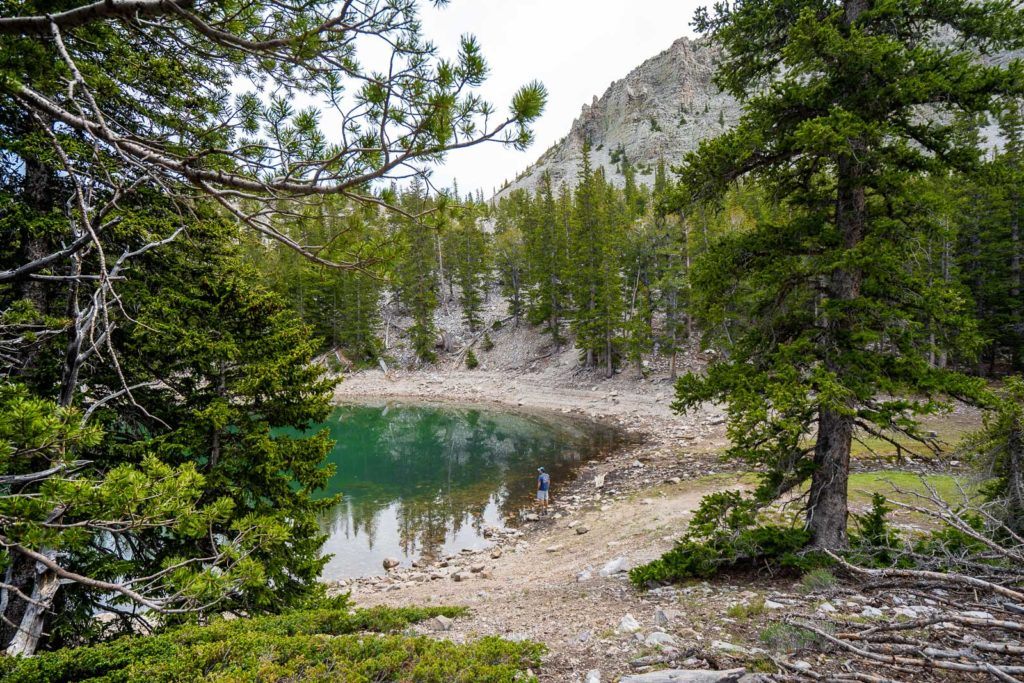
[{"x": 661, "y": 109}]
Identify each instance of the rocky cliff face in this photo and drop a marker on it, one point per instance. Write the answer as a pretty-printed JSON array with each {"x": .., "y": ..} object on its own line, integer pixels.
[{"x": 661, "y": 110}]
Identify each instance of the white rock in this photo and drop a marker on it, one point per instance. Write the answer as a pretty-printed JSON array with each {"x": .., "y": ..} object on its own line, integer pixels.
[
  {"x": 872, "y": 612},
  {"x": 977, "y": 615},
  {"x": 619, "y": 564},
  {"x": 584, "y": 575},
  {"x": 686, "y": 676},
  {"x": 593, "y": 676},
  {"x": 439, "y": 623},
  {"x": 664, "y": 617},
  {"x": 827, "y": 608},
  {"x": 771, "y": 604},
  {"x": 628, "y": 624},
  {"x": 660, "y": 639}
]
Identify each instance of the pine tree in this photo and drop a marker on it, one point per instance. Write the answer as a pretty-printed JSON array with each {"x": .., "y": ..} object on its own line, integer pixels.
[
  {"x": 991, "y": 247},
  {"x": 510, "y": 263},
  {"x": 673, "y": 254},
  {"x": 598, "y": 220},
  {"x": 833, "y": 318},
  {"x": 469, "y": 264},
  {"x": 416, "y": 274},
  {"x": 546, "y": 245},
  {"x": 639, "y": 337}
]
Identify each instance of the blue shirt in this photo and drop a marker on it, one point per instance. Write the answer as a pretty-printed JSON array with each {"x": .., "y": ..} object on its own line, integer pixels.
[{"x": 543, "y": 481}]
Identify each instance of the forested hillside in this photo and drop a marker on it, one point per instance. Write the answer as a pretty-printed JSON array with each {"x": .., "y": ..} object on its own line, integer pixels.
[{"x": 619, "y": 272}]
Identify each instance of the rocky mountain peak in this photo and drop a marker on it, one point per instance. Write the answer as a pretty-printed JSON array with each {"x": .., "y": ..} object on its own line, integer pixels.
[{"x": 660, "y": 110}]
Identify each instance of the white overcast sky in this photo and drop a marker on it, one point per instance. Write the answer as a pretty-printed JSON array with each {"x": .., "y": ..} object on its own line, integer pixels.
[{"x": 575, "y": 47}]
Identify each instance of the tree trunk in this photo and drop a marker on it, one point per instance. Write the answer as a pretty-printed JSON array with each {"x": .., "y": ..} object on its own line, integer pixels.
[
  {"x": 44, "y": 587},
  {"x": 1017, "y": 311},
  {"x": 23, "y": 621},
  {"x": 609, "y": 365},
  {"x": 827, "y": 503},
  {"x": 20, "y": 576},
  {"x": 1015, "y": 479},
  {"x": 827, "y": 506}
]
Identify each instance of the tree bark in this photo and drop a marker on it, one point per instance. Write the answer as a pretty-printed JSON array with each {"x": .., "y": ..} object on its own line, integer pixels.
[
  {"x": 22, "y": 621},
  {"x": 827, "y": 506},
  {"x": 25, "y": 638},
  {"x": 1017, "y": 313},
  {"x": 1015, "y": 479},
  {"x": 827, "y": 510}
]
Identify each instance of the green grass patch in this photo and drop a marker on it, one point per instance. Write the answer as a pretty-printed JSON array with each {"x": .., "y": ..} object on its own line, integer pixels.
[
  {"x": 949, "y": 430},
  {"x": 863, "y": 485},
  {"x": 747, "y": 610},
  {"x": 325, "y": 644}
]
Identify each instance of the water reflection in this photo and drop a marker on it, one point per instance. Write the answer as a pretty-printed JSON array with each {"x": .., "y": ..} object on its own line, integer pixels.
[{"x": 425, "y": 480}]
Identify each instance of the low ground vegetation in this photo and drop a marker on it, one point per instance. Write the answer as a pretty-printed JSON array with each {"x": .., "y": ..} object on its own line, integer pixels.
[{"x": 328, "y": 641}]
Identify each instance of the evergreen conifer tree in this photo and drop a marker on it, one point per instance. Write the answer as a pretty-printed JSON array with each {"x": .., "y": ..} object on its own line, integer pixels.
[{"x": 833, "y": 339}]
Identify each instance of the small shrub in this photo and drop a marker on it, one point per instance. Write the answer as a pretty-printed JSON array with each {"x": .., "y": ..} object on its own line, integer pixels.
[
  {"x": 817, "y": 580},
  {"x": 487, "y": 344},
  {"x": 781, "y": 637},
  {"x": 471, "y": 362},
  {"x": 763, "y": 665},
  {"x": 747, "y": 610},
  {"x": 750, "y": 548}
]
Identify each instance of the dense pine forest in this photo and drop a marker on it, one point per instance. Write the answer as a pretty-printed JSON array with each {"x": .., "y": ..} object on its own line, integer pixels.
[
  {"x": 623, "y": 270},
  {"x": 213, "y": 212}
]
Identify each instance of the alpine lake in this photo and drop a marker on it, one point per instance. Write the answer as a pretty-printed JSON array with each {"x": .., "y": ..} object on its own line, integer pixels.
[{"x": 424, "y": 480}]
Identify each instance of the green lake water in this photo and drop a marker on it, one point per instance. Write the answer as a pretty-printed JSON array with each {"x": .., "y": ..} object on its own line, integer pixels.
[{"x": 424, "y": 480}]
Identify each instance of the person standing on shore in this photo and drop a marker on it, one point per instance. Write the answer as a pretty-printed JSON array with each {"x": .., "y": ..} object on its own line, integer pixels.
[{"x": 543, "y": 486}]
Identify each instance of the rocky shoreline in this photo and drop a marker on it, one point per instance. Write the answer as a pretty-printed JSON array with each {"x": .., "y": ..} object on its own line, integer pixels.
[{"x": 561, "y": 578}]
